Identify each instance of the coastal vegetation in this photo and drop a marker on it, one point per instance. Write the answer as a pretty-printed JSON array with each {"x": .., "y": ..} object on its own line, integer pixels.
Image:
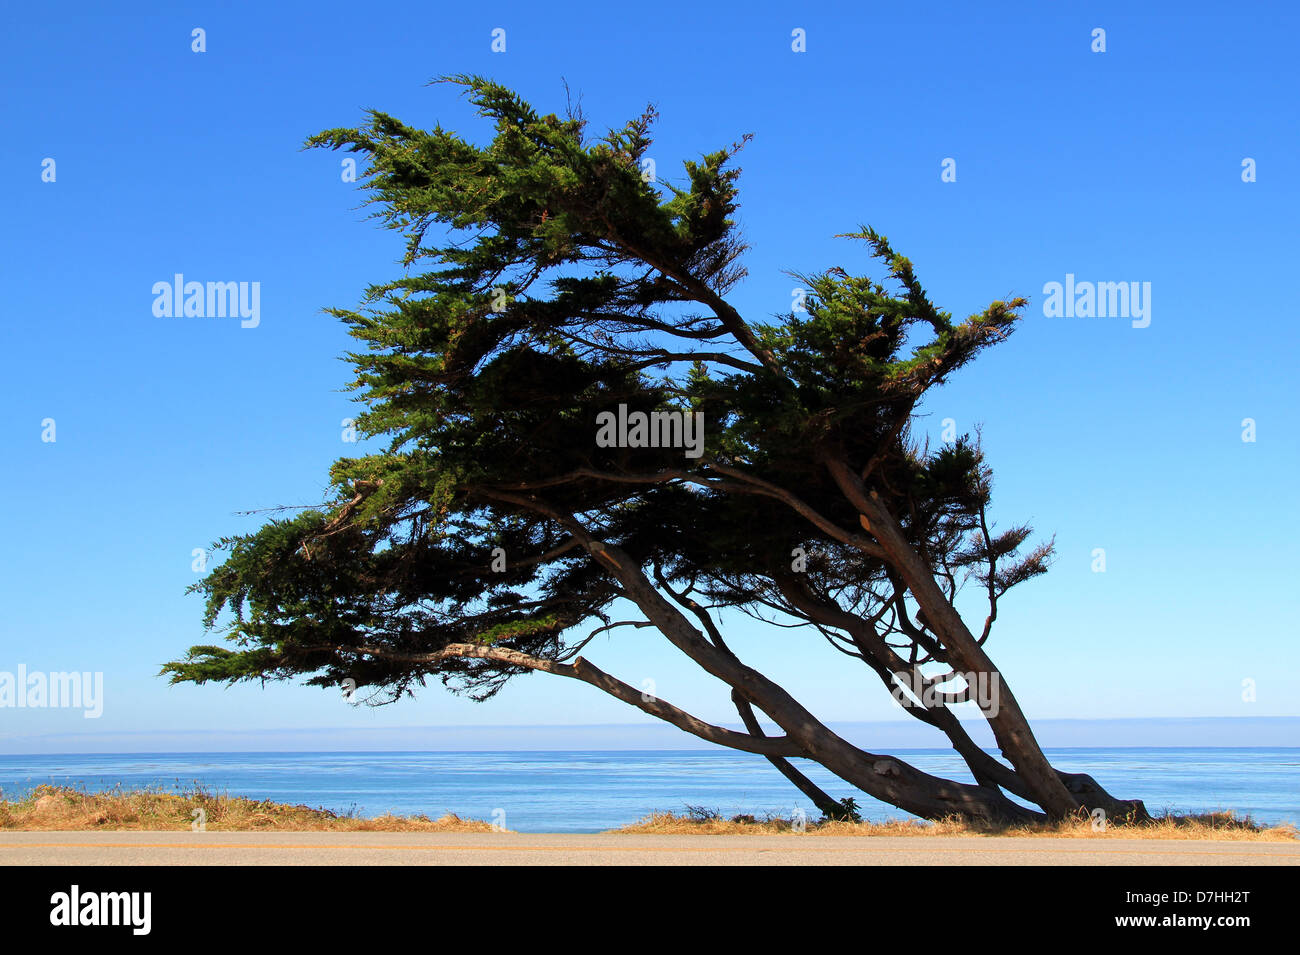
[
  {"x": 1218, "y": 825},
  {"x": 61, "y": 808}
]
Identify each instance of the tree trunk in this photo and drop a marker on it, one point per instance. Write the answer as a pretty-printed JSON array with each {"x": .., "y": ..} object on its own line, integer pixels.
[
  {"x": 886, "y": 778},
  {"x": 1010, "y": 727}
]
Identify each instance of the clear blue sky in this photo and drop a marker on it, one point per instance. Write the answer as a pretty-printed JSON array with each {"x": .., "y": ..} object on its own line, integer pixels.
[{"x": 1116, "y": 166}]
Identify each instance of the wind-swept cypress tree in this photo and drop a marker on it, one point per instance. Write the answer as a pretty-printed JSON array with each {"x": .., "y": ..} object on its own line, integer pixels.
[{"x": 549, "y": 284}]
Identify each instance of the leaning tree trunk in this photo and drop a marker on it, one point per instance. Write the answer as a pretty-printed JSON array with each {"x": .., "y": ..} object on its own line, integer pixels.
[
  {"x": 886, "y": 778},
  {"x": 1010, "y": 727}
]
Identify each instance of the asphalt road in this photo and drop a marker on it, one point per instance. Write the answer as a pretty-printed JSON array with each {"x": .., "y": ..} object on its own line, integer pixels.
[{"x": 402, "y": 848}]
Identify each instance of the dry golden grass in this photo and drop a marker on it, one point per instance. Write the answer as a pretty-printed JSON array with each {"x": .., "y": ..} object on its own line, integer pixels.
[
  {"x": 1221, "y": 825},
  {"x": 49, "y": 808}
]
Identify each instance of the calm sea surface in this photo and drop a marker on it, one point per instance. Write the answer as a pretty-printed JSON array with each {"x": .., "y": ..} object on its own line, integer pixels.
[{"x": 591, "y": 791}]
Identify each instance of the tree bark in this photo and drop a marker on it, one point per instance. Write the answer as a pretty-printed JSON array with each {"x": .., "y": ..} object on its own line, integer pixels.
[
  {"x": 825, "y": 804},
  {"x": 888, "y": 779},
  {"x": 1010, "y": 727}
]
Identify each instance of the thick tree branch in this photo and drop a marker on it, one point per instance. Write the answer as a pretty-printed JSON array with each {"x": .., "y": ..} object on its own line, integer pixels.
[{"x": 582, "y": 670}]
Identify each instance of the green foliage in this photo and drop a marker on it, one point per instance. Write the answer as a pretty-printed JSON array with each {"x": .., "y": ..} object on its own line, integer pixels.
[
  {"x": 848, "y": 811},
  {"x": 547, "y": 281}
]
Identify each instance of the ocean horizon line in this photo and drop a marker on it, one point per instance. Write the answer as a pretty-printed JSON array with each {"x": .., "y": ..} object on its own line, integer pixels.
[
  {"x": 562, "y": 752},
  {"x": 1185, "y": 732}
]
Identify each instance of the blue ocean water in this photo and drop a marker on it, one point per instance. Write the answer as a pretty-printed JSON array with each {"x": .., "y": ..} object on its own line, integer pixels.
[{"x": 593, "y": 791}]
